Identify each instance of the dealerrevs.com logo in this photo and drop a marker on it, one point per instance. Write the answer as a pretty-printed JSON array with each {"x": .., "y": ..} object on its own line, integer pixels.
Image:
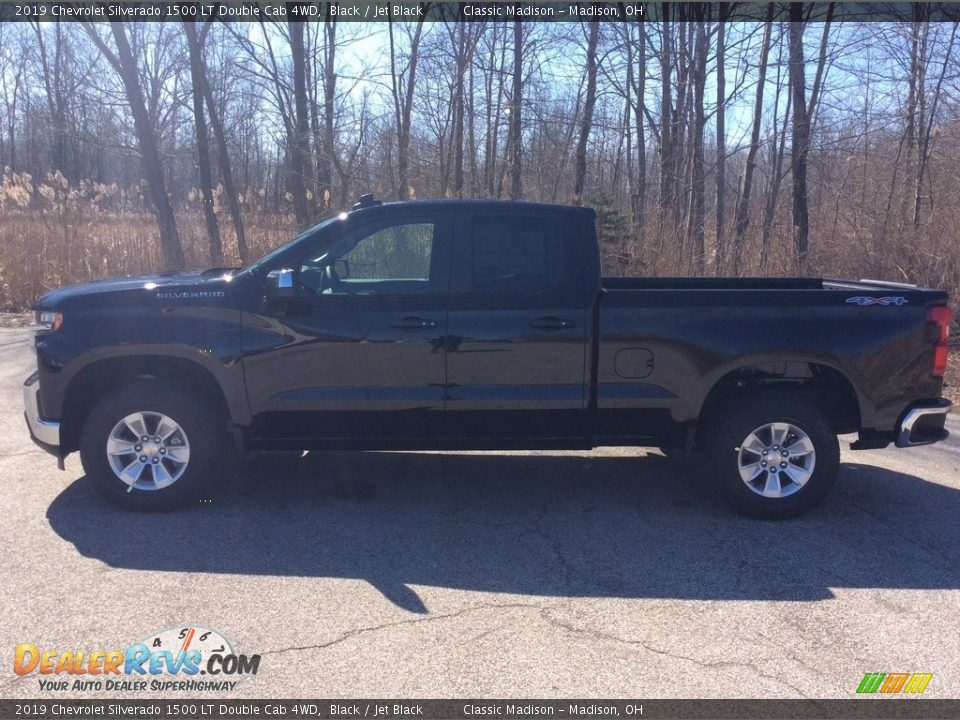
[{"x": 185, "y": 657}]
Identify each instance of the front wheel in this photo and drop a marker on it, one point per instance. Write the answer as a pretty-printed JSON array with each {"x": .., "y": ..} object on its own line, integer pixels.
[
  {"x": 776, "y": 455},
  {"x": 151, "y": 446}
]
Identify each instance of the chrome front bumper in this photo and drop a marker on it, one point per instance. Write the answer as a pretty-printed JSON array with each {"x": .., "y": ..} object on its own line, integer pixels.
[
  {"x": 45, "y": 432},
  {"x": 924, "y": 424}
]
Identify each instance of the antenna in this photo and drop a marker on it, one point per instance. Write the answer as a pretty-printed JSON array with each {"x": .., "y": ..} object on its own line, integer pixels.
[{"x": 366, "y": 201}]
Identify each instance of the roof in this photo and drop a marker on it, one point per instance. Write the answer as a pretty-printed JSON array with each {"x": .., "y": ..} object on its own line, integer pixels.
[{"x": 496, "y": 205}]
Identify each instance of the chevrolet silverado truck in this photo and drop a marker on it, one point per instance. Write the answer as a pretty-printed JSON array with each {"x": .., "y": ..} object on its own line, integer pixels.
[{"x": 479, "y": 325}]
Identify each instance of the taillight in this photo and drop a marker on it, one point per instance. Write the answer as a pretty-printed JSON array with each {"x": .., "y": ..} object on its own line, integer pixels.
[{"x": 939, "y": 315}]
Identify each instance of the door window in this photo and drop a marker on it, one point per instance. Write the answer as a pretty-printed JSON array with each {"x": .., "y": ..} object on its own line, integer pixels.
[{"x": 384, "y": 260}]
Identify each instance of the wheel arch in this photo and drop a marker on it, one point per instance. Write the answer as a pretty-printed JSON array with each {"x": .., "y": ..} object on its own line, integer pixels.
[
  {"x": 102, "y": 376},
  {"x": 822, "y": 384}
]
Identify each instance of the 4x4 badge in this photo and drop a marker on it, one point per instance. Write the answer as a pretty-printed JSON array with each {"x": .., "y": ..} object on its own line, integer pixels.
[{"x": 866, "y": 300}]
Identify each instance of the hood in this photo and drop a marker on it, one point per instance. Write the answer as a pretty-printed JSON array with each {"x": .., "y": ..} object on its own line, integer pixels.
[{"x": 195, "y": 285}]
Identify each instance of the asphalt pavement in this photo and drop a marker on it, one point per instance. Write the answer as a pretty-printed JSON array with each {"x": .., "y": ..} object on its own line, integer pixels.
[{"x": 519, "y": 574}]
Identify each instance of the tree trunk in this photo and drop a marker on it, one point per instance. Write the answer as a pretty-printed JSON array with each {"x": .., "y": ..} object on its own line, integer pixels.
[
  {"x": 460, "y": 67},
  {"x": 698, "y": 189},
  {"x": 403, "y": 106},
  {"x": 721, "y": 141},
  {"x": 801, "y": 135},
  {"x": 639, "y": 110},
  {"x": 301, "y": 170},
  {"x": 586, "y": 122},
  {"x": 666, "y": 119},
  {"x": 742, "y": 216},
  {"x": 680, "y": 123},
  {"x": 516, "y": 179},
  {"x": 927, "y": 129},
  {"x": 777, "y": 175},
  {"x": 56, "y": 103},
  {"x": 472, "y": 127},
  {"x": 328, "y": 154},
  {"x": 126, "y": 66},
  {"x": 203, "y": 146},
  {"x": 226, "y": 172},
  {"x": 821, "y": 67}
]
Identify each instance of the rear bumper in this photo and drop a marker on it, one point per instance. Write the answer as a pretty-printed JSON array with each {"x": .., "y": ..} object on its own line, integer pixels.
[
  {"x": 45, "y": 433},
  {"x": 923, "y": 423}
]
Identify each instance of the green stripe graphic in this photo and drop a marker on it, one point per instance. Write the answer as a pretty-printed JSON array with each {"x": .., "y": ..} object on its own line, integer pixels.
[{"x": 871, "y": 682}]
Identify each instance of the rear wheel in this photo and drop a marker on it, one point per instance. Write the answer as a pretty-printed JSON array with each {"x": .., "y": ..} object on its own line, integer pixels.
[
  {"x": 151, "y": 446},
  {"x": 775, "y": 455}
]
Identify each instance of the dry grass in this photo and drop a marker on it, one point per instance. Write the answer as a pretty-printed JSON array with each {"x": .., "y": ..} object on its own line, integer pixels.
[
  {"x": 15, "y": 319},
  {"x": 43, "y": 251},
  {"x": 52, "y": 234}
]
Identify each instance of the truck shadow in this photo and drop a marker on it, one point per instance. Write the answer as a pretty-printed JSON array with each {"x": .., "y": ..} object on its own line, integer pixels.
[{"x": 543, "y": 525}]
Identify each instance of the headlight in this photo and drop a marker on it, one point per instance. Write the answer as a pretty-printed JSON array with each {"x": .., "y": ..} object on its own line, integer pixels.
[{"x": 47, "y": 320}]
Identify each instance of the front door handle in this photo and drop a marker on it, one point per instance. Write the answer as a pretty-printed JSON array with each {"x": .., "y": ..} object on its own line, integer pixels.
[
  {"x": 552, "y": 323},
  {"x": 414, "y": 323}
]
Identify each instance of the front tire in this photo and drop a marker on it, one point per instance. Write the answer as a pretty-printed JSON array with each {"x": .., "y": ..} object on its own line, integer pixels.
[
  {"x": 151, "y": 446},
  {"x": 776, "y": 455}
]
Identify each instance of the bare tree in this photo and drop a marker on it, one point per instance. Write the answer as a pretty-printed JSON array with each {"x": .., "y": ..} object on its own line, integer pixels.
[
  {"x": 403, "y": 85},
  {"x": 516, "y": 104},
  {"x": 327, "y": 153},
  {"x": 223, "y": 157},
  {"x": 926, "y": 129},
  {"x": 721, "y": 139},
  {"x": 776, "y": 173},
  {"x": 586, "y": 120},
  {"x": 666, "y": 118},
  {"x": 640, "y": 94},
  {"x": 11, "y": 82},
  {"x": 697, "y": 219},
  {"x": 800, "y": 141},
  {"x": 301, "y": 157},
  {"x": 56, "y": 94},
  {"x": 462, "y": 40},
  {"x": 125, "y": 65},
  {"x": 203, "y": 144},
  {"x": 742, "y": 218}
]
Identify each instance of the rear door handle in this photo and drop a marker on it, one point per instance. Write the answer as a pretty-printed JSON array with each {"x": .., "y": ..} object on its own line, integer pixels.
[
  {"x": 552, "y": 323},
  {"x": 414, "y": 323}
]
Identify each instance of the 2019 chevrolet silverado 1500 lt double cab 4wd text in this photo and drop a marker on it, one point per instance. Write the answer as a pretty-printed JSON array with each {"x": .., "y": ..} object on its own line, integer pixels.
[{"x": 480, "y": 325}]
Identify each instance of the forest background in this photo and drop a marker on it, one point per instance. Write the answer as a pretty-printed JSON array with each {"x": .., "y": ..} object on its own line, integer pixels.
[{"x": 794, "y": 141}]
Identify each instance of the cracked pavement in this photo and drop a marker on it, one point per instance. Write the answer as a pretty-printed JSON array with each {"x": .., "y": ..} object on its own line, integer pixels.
[{"x": 542, "y": 574}]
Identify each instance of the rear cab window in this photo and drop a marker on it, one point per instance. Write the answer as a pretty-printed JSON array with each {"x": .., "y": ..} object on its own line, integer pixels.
[{"x": 511, "y": 256}]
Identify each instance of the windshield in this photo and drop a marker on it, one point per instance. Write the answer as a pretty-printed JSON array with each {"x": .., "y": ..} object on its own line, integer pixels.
[{"x": 266, "y": 259}]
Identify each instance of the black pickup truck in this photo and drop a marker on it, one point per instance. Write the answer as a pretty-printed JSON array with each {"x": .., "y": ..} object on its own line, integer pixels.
[{"x": 480, "y": 325}]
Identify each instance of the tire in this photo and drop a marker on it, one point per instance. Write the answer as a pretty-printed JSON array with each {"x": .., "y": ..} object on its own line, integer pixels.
[
  {"x": 784, "y": 443},
  {"x": 163, "y": 473}
]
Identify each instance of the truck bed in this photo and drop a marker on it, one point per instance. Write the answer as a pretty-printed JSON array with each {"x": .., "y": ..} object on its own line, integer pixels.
[
  {"x": 665, "y": 341},
  {"x": 749, "y": 283}
]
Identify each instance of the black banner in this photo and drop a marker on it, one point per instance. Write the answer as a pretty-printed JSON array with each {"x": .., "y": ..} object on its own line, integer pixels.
[
  {"x": 384, "y": 709},
  {"x": 382, "y": 10}
]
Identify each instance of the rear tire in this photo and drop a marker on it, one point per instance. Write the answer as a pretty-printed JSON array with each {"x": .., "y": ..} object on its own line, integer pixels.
[
  {"x": 774, "y": 454},
  {"x": 152, "y": 446}
]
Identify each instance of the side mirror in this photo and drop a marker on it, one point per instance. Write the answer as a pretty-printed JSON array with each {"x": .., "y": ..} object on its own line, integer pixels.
[
  {"x": 342, "y": 268},
  {"x": 280, "y": 284}
]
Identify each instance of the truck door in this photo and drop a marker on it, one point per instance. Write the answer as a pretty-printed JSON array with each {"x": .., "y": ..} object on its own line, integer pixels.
[
  {"x": 516, "y": 329},
  {"x": 358, "y": 352}
]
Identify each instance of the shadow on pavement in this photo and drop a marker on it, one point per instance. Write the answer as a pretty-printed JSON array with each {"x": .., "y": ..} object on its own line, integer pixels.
[{"x": 619, "y": 527}]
